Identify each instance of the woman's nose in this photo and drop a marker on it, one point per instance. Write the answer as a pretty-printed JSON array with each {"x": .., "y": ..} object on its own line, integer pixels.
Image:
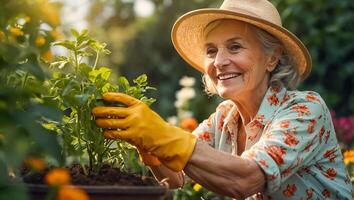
[{"x": 221, "y": 58}]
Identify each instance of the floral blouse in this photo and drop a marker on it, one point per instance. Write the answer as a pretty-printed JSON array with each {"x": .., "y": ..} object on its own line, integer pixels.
[{"x": 292, "y": 139}]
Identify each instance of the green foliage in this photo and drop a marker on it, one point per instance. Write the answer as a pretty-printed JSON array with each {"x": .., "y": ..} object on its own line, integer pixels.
[
  {"x": 22, "y": 106},
  {"x": 326, "y": 28},
  {"x": 77, "y": 87}
]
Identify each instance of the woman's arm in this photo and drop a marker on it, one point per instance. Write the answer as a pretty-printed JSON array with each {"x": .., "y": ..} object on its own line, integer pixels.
[
  {"x": 174, "y": 179},
  {"x": 224, "y": 173}
]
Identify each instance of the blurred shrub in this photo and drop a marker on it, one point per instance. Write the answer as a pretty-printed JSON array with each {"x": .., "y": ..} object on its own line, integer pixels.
[
  {"x": 326, "y": 28},
  {"x": 23, "y": 43}
]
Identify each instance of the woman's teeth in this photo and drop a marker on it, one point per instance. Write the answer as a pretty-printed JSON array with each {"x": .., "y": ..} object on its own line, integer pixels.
[{"x": 228, "y": 76}]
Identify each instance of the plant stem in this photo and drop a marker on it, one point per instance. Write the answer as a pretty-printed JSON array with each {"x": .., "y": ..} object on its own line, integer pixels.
[
  {"x": 25, "y": 81},
  {"x": 96, "y": 60},
  {"x": 76, "y": 62}
]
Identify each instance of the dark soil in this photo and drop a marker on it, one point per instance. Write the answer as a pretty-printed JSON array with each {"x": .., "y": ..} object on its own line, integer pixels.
[{"x": 106, "y": 176}]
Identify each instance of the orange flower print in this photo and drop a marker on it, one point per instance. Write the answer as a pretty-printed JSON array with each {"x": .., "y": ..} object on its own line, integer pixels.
[
  {"x": 271, "y": 177},
  {"x": 277, "y": 153},
  {"x": 331, "y": 154},
  {"x": 221, "y": 122},
  {"x": 206, "y": 136},
  {"x": 322, "y": 131},
  {"x": 319, "y": 166},
  {"x": 273, "y": 100},
  {"x": 312, "y": 98},
  {"x": 275, "y": 90},
  {"x": 290, "y": 139},
  {"x": 284, "y": 124},
  {"x": 326, "y": 193},
  {"x": 263, "y": 163},
  {"x": 290, "y": 190},
  {"x": 330, "y": 173},
  {"x": 308, "y": 146},
  {"x": 286, "y": 98},
  {"x": 327, "y": 136},
  {"x": 301, "y": 110},
  {"x": 288, "y": 171},
  {"x": 311, "y": 126}
]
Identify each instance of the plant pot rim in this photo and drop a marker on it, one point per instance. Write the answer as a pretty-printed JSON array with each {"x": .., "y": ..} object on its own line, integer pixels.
[{"x": 111, "y": 189}]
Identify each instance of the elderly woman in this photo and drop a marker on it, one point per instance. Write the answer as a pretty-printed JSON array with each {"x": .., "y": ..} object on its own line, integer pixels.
[{"x": 266, "y": 140}]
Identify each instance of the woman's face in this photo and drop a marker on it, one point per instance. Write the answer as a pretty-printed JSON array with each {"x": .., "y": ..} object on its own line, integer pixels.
[{"x": 235, "y": 61}]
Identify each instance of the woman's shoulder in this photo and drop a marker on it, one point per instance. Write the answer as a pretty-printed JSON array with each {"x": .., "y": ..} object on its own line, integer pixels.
[{"x": 296, "y": 96}]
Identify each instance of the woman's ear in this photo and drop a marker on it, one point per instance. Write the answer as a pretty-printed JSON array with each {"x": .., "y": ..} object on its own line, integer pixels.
[{"x": 274, "y": 59}]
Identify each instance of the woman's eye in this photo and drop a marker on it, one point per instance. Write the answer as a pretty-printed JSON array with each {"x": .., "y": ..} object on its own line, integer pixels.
[
  {"x": 234, "y": 47},
  {"x": 210, "y": 52}
]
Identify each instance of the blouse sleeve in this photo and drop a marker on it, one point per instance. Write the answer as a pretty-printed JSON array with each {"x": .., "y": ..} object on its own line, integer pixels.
[{"x": 289, "y": 142}]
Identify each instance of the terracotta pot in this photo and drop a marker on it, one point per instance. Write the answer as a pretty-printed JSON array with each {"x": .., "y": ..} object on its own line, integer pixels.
[{"x": 109, "y": 192}]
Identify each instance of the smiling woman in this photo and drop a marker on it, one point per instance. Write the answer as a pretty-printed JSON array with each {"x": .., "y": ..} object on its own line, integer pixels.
[{"x": 266, "y": 140}]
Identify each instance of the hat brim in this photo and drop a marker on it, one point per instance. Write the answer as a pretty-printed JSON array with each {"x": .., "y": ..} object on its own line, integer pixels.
[{"x": 187, "y": 37}]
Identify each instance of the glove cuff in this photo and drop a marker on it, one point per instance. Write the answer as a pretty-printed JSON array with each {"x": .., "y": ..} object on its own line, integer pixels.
[{"x": 180, "y": 150}]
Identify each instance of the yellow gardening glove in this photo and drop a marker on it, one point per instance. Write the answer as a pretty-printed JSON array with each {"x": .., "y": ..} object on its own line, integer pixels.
[
  {"x": 148, "y": 159},
  {"x": 142, "y": 127}
]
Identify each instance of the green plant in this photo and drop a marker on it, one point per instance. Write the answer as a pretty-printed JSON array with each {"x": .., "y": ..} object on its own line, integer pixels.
[
  {"x": 76, "y": 87},
  {"x": 22, "y": 44}
]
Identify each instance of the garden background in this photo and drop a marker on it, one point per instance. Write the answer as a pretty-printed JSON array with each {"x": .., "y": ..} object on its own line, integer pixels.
[{"x": 137, "y": 32}]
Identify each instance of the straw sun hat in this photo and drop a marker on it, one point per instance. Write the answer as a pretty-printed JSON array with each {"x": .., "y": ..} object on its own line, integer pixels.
[{"x": 187, "y": 32}]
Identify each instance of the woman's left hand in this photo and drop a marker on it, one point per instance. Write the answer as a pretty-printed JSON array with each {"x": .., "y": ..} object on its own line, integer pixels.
[{"x": 142, "y": 127}]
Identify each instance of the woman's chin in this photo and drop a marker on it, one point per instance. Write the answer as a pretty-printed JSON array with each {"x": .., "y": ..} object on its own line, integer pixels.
[{"x": 228, "y": 93}]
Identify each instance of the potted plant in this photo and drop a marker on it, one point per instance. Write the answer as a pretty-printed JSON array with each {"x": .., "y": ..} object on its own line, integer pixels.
[{"x": 105, "y": 169}]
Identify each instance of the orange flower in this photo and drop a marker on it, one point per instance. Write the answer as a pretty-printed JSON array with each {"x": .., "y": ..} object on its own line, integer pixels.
[
  {"x": 47, "y": 56},
  {"x": 58, "y": 176},
  {"x": 40, "y": 41},
  {"x": 72, "y": 193},
  {"x": 35, "y": 163},
  {"x": 349, "y": 157},
  {"x": 16, "y": 31},
  {"x": 56, "y": 35},
  {"x": 50, "y": 13},
  {"x": 189, "y": 124}
]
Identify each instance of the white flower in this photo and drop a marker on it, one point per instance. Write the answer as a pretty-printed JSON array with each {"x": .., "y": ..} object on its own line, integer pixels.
[
  {"x": 179, "y": 103},
  {"x": 186, "y": 114},
  {"x": 173, "y": 120},
  {"x": 187, "y": 81},
  {"x": 185, "y": 94}
]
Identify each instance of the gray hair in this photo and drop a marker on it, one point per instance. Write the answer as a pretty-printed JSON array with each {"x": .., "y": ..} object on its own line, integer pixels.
[{"x": 284, "y": 74}]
